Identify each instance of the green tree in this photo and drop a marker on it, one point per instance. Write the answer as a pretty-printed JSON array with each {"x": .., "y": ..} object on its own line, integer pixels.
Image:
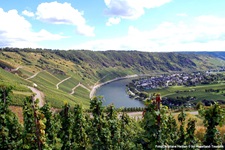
[
  {"x": 199, "y": 105},
  {"x": 114, "y": 126},
  {"x": 181, "y": 133},
  {"x": 190, "y": 136},
  {"x": 213, "y": 117},
  {"x": 100, "y": 136},
  {"x": 150, "y": 127},
  {"x": 10, "y": 129},
  {"x": 66, "y": 122},
  {"x": 34, "y": 136},
  {"x": 128, "y": 132},
  {"x": 29, "y": 137},
  {"x": 79, "y": 126},
  {"x": 171, "y": 130},
  {"x": 53, "y": 126},
  {"x": 155, "y": 124}
]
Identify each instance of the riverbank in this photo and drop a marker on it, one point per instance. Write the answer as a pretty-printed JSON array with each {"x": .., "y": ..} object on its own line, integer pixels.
[{"x": 93, "y": 90}]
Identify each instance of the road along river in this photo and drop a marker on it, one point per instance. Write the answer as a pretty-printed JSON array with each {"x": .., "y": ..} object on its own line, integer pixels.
[{"x": 115, "y": 93}]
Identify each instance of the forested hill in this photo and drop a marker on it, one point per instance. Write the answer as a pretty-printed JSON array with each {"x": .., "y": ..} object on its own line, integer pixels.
[
  {"x": 71, "y": 75},
  {"x": 142, "y": 62},
  {"x": 218, "y": 54}
]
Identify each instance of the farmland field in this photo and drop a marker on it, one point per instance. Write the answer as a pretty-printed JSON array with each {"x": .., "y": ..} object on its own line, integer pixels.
[{"x": 194, "y": 91}]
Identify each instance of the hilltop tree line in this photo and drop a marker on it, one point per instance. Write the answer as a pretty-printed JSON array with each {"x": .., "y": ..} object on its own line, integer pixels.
[
  {"x": 102, "y": 129},
  {"x": 131, "y": 60}
]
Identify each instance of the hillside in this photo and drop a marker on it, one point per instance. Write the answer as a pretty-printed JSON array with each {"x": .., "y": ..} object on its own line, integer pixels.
[
  {"x": 70, "y": 75},
  {"x": 218, "y": 54}
]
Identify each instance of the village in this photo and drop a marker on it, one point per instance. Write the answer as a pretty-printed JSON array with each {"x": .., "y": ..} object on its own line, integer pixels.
[
  {"x": 140, "y": 89},
  {"x": 186, "y": 79}
]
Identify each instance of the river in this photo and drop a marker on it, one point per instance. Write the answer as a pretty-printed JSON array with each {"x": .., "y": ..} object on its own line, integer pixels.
[{"x": 115, "y": 93}]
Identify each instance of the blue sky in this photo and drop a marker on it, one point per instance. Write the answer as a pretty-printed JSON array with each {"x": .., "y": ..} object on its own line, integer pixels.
[{"x": 145, "y": 25}]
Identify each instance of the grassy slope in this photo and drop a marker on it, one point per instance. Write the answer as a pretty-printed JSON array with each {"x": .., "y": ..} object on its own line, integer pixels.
[
  {"x": 14, "y": 80},
  {"x": 45, "y": 79},
  {"x": 82, "y": 94},
  {"x": 68, "y": 85},
  {"x": 20, "y": 90},
  {"x": 199, "y": 92},
  {"x": 56, "y": 69},
  {"x": 88, "y": 67}
]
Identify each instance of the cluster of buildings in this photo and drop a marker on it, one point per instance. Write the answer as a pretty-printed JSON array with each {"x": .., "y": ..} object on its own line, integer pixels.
[
  {"x": 153, "y": 82},
  {"x": 139, "y": 86}
]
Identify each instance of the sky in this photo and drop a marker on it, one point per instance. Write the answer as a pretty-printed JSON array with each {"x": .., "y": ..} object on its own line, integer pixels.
[{"x": 144, "y": 25}]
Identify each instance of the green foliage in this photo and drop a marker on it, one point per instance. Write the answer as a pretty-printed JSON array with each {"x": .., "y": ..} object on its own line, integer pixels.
[
  {"x": 29, "y": 137},
  {"x": 102, "y": 129},
  {"x": 213, "y": 117},
  {"x": 100, "y": 134},
  {"x": 114, "y": 127},
  {"x": 65, "y": 133},
  {"x": 172, "y": 134},
  {"x": 34, "y": 136},
  {"x": 181, "y": 133},
  {"x": 69, "y": 84},
  {"x": 79, "y": 126},
  {"x": 190, "y": 137},
  {"x": 199, "y": 105},
  {"x": 15, "y": 80},
  {"x": 159, "y": 128},
  {"x": 128, "y": 132},
  {"x": 52, "y": 127},
  {"x": 10, "y": 129},
  {"x": 151, "y": 127}
]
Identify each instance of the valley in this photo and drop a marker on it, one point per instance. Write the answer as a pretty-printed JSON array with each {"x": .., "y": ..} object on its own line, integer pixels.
[
  {"x": 72, "y": 76},
  {"x": 61, "y": 79},
  {"x": 112, "y": 75}
]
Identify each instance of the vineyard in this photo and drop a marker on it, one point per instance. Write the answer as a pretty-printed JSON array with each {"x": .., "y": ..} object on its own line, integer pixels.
[{"x": 105, "y": 128}]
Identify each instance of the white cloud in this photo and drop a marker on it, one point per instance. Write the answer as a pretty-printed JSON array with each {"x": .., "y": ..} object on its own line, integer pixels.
[
  {"x": 28, "y": 13},
  {"x": 182, "y": 15},
  {"x": 16, "y": 31},
  {"x": 64, "y": 13},
  {"x": 205, "y": 33},
  {"x": 112, "y": 21},
  {"x": 211, "y": 20},
  {"x": 131, "y": 9}
]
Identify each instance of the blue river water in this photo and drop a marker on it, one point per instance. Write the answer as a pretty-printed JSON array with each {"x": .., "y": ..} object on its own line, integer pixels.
[{"x": 115, "y": 93}]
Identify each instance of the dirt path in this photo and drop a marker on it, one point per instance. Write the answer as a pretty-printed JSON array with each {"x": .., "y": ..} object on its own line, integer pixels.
[
  {"x": 57, "y": 85},
  {"x": 16, "y": 69},
  {"x": 38, "y": 95},
  {"x": 193, "y": 112},
  {"x": 85, "y": 87},
  {"x": 73, "y": 90},
  {"x": 138, "y": 114},
  {"x": 33, "y": 75}
]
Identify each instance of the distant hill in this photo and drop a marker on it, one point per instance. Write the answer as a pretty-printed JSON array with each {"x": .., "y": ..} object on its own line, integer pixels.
[
  {"x": 217, "y": 54},
  {"x": 82, "y": 69}
]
